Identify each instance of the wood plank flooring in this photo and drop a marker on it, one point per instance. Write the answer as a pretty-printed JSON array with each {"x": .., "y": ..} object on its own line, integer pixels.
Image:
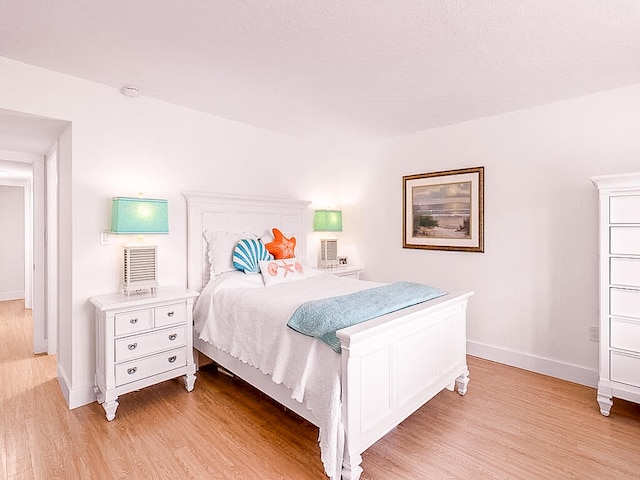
[{"x": 512, "y": 424}]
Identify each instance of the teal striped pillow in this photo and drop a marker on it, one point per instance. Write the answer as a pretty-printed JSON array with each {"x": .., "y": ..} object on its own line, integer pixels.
[{"x": 248, "y": 253}]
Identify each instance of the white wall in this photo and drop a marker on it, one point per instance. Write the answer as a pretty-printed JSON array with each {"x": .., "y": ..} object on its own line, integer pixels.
[
  {"x": 70, "y": 355},
  {"x": 536, "y": 284},
  {"x": 11, "y": 242},
  {"x": 122, "y": 146}
]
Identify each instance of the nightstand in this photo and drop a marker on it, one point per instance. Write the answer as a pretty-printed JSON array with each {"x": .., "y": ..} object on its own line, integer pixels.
[
  {"x": 141, "y": 340},
  {"x": 350, "y": 271}
]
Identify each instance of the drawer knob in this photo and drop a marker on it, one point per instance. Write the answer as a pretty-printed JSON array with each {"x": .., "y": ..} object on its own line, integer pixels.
[
  {"x": 133, "y": 321},
  {"x": 132, "y": 370},
  {"x": 170, "y": 314},
  {"x": 172, "y": 359},
  {"x": 132, "y": 346},
  {"x": 173, "y": 336}
]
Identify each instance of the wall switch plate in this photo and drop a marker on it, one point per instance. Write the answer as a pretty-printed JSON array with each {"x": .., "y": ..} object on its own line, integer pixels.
[
  {"x": 105, "y": 238},
  {"x": 594, "y": 334}
]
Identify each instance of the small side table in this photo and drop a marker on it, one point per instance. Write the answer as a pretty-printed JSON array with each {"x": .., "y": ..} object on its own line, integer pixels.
[
  {"x": 141, "y": 340},
  {"x": 350, "y": 271}
]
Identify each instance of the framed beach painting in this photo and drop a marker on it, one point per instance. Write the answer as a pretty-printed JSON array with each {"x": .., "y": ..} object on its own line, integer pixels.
[{"x": 444, "y": 210}]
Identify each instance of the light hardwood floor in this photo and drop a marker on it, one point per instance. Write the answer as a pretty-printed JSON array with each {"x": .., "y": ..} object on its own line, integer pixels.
[{"x": 512, "y": 424}]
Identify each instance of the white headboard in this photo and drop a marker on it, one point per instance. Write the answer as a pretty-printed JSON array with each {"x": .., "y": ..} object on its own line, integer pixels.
[{"x": 235, "y": 213}]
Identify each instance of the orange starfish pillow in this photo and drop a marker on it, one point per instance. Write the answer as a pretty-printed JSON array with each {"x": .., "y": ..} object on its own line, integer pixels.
[{"x": 281, "y": 247}]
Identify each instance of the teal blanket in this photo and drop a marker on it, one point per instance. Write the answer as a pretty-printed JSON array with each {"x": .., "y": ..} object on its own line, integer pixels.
[{"x": 322, "y": 318}]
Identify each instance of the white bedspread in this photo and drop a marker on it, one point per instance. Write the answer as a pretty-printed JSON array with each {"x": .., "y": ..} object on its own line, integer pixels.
[{"x": 238, "y": 315}]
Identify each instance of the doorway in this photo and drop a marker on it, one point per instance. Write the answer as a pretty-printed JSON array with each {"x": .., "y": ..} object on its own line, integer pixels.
[
  {"x": 25, "y": 170},
  {"x": 31, "y": 142},
  {"x": 12, "y": 242}
]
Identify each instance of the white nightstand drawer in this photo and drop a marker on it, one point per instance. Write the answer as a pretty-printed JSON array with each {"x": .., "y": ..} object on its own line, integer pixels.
[
  {"x": 625, "y": 241},
  {"x": 625, "y": 303},
  {"x": 133, "y": 321},
  {"x": 625, "y": 271},
  {"x": 625, "y": 334},
  {"x": 355, "y": 275},
  {"x": 625, "y": 368},
  {"x": 170, "y": 314},
  {"x": 148, "y": 343},
  {"x": 149, "y": 366},
  {"x": 347, "y": 271}
]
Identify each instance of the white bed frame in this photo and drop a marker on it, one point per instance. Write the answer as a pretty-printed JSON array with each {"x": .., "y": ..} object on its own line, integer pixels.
[{"x": 391, "y": 365}]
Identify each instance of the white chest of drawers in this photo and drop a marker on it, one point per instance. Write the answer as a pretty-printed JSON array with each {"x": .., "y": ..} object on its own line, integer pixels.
[
  {"x": 142, "y": 340},
  {"x": 619, "y": 289}
]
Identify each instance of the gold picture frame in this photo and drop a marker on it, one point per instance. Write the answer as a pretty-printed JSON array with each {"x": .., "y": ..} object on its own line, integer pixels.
[{"x": 444, "y": 210}]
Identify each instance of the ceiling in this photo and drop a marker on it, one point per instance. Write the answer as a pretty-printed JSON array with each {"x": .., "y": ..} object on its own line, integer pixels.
[
  {"x": 25, "y": 133},
  {"x": 305, "y": 67},
  {"x": 15, "y": 171}
]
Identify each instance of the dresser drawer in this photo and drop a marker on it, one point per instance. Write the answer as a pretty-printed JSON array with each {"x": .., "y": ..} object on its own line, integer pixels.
[
  {"x": 355, "y": 275},
  {"x": 624, "y": 303},
  {"x": 133, "y": 321},
  {"x": 625, "y": 334},
  {"x": 170, "y": 314},
  {"x": 625, "y": 368},
  {"x": 625, "y": 271},
  {"x": 625, "y": 240},
  {"x": 624, "y": 209},
  {"x": 145, "y": 367},
  {"x": 148, "y": 343}
]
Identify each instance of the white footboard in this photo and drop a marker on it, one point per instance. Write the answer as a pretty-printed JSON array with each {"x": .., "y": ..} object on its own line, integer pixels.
[{"x": 393, "y": 365}]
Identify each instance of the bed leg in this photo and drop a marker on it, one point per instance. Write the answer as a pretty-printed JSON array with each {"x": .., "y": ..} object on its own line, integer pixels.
[
  {"x": 351, "y": 469},
  {"x": 462, "y": 381}
]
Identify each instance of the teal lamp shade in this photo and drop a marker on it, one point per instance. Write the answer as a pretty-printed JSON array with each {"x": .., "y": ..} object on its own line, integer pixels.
[
  {"x": 327, "y": 221},
  {"x": 139, "y": 216}
]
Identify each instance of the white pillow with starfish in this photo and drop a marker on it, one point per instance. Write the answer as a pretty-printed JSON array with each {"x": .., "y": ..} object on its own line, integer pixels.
[{"x": 279, "y": 271}]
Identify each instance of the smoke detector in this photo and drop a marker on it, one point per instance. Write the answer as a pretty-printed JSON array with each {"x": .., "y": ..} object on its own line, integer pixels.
[{"x": 130, "y": 91}]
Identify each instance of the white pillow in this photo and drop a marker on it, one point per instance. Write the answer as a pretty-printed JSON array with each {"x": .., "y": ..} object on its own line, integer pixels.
[
  {"x": 220, "y": 250},
  {"x": 280, "y": 271}
]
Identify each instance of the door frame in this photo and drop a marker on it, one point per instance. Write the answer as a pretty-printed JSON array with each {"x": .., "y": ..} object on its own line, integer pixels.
[
  {"x": 35, "y": 255},
  {"x": 51, "y": 245}
]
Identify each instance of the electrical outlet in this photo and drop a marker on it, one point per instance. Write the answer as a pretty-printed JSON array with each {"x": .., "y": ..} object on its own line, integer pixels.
[{"x": 594, "y": 334}]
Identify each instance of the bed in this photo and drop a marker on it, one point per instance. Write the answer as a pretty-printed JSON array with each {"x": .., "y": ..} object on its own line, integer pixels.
[{"x": 387, "y": 368}]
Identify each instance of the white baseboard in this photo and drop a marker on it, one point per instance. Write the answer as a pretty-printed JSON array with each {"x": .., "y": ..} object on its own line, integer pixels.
[
  {"x": 75, "y": 397},
  {"x": 533, "y": 363},
  {"x": 584, "y": 376},
  {"x": 17, "y": 295},
  {"x": 63, "y": 381}
]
